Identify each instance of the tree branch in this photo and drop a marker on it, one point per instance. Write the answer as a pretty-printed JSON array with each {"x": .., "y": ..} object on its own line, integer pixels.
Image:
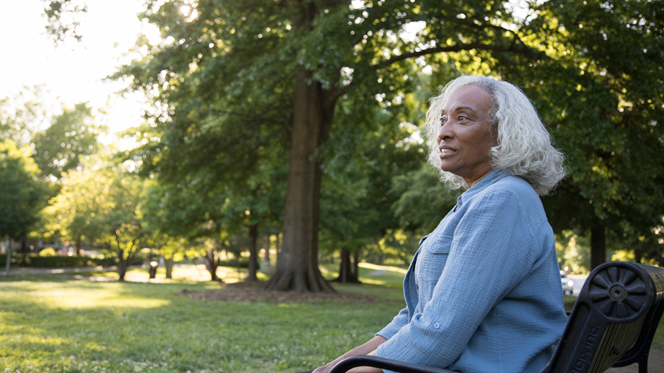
[
  {"x": 333, "y": 95},
  {"x": 464, "y": 47}
]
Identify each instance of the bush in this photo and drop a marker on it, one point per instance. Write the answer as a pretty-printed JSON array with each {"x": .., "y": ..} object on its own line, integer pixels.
[
  {"x": 36, "y": 261},
  {"x": 243, "y": 263}
]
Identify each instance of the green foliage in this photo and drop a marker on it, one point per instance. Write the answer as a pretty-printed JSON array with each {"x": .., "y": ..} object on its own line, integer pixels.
[
  {"x": 573, "y": 251},
  {"x": 235, "y": 262},
  {"x": 55, "y": 261},
  {"x": 355, "y": 201},
  {"x": 226, "y": 77},
  {"x": 71, "y": 136},
  {"x": 22, "y": 195},
  {"x": 100, "y": 204},
  {"x": 223, "y": 79},
  {"x": 423, "y": 200},
  {"x": 599, "y": 88}
]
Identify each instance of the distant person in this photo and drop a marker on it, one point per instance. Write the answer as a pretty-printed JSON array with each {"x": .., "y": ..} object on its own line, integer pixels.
[{"x": 483, "y": 292}]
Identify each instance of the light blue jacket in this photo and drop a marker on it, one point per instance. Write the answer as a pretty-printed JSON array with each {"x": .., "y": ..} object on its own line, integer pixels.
[{"x": 483, "y": 292}]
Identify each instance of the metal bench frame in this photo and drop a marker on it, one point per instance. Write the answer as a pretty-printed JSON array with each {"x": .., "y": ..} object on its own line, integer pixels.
[{"x": 612, "y": 324}]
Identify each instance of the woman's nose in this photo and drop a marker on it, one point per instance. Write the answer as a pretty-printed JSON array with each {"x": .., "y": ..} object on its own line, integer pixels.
[{"x": 444, "y": 131}]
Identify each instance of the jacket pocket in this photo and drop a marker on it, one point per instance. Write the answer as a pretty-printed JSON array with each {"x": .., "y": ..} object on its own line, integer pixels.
[{"x": 435, "y": 258}]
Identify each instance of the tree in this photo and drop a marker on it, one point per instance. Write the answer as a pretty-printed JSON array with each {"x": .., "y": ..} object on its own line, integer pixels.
[
  {"x": 237, "y": 75},
  {"x": 282, "y": 67},
  {"x": 23, "y": 115},
  {"x": 22, "y": 194},
  {"x": 600, "y": 88},
  {"x": 59, "y": 140},
  {"x": 196, "y": 209},
  {"x": 100, "y": 204},
  {"x": 71, "y": 136},
  {"x": 422, "y": 199},
  {"x": 357, "y": 176},
  {"x": 152, "y": 212}
]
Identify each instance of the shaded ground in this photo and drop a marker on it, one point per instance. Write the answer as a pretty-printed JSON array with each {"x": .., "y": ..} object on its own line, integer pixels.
[
  {"x": 252, "y": 292},
  {"x": 655, "y": 364}
]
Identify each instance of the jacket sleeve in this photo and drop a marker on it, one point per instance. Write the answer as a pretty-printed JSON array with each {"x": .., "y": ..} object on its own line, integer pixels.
[
  {"x": 491, "y": 252},
  {"x": 403, "y": 316},
  {"x": 395, "y": 325}
]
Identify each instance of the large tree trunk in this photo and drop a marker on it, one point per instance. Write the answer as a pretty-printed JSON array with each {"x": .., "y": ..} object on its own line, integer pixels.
[
  {"x": 313, "y": 107},
  {"x": 253, "y": 253},
  {"x": 297, "y": 263},
  {"x": 597, "y": 246},
  {"x": 346, "y": 273}
]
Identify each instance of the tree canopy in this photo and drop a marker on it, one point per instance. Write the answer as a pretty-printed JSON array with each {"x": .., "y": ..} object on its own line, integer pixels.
[
  {"x": 71, "y": 136},
  {"x": 241, "y": 85},
  {"x": 22, "y": 194}
]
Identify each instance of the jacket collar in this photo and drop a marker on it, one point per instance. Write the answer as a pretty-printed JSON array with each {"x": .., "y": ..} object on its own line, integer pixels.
[{"x": 490, "y": 179}]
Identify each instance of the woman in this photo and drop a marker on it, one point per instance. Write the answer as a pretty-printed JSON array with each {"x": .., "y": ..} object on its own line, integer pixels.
[{"x": 483, "y": 291}]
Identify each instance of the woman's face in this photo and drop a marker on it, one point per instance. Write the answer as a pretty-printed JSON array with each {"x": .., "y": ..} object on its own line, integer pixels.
[{"x": 465, "y": 135}]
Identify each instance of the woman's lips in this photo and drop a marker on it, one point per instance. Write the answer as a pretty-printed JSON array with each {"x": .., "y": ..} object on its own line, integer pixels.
[{"x": 446, "y": 152}]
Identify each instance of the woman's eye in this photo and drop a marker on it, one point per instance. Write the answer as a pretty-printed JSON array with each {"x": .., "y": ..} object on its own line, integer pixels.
[
  {"x": 461, "y": 117},
  {"x": 443, "y": 119}
]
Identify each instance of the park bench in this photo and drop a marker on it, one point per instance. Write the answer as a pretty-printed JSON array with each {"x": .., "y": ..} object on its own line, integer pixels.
[{"x": 612, "y": 324}]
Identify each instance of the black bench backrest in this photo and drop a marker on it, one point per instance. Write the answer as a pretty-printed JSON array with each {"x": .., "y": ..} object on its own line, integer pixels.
[{"x": 613, "y": 320}]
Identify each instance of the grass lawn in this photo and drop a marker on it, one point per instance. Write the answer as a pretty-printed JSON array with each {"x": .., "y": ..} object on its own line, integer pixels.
[{"x": 59, "y": 324}]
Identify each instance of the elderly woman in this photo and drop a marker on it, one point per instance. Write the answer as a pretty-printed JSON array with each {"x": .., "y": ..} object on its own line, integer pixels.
[{"x": 483, "y": 291}]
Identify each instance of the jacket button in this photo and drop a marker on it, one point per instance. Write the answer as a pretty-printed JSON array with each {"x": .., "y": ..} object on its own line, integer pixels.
[{"x": 436, "y": 325}]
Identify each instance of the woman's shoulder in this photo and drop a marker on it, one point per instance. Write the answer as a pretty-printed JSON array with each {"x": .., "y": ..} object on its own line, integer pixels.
[
  {"x": 510, "y": 192},
  {"x": 512, "y": 185}
]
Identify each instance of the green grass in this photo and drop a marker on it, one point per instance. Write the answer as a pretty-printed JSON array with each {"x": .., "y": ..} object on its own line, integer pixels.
[
  {"x": 53, "y": 323},
  {"x": 181, "y": 274},
  {"x": 58, "y": 324}
]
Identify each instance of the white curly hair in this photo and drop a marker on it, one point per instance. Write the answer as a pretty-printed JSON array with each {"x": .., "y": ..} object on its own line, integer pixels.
[{"x": 524, "y": 146}]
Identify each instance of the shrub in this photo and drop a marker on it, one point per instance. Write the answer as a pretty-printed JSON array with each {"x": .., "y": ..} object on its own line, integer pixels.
[
  {"x": 36, "y": 261},
  {"x": 243, "y": 263}
]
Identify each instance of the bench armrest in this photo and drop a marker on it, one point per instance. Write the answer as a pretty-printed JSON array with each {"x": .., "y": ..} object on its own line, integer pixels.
[{"x": 383, "y": 363}]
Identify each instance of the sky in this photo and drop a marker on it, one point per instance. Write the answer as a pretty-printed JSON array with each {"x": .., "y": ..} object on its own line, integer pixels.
[{"x": 73, "y": 72}]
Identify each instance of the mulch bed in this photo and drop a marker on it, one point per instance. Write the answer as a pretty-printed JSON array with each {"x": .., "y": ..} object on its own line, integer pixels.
[{"x": 253, "y": 292}]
